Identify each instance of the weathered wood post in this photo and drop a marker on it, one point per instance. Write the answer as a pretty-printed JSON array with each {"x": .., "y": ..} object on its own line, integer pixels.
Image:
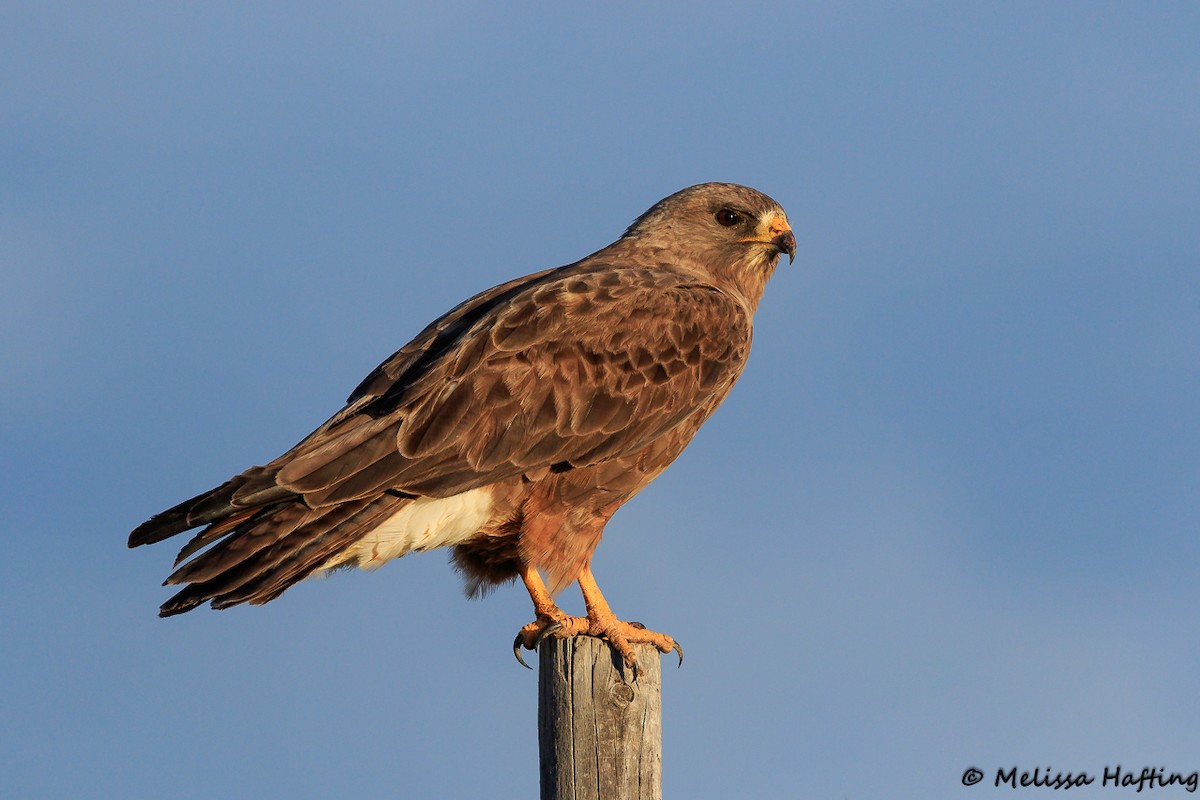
[{"x": 599, "y": 737}]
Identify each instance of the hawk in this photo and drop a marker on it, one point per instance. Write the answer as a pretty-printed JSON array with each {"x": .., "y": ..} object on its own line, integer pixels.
[{"x": 511, "y": 429}]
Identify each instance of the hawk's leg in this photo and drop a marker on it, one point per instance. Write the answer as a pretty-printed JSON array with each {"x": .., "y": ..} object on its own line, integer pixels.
[
  {"x": 620, "y": 635},
  {"x": 600, "y": 621},
  {"x": 548, "y": 617}
]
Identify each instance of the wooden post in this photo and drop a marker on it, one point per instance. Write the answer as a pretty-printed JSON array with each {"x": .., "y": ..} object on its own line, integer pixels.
[{"x": 599, "y": 737}]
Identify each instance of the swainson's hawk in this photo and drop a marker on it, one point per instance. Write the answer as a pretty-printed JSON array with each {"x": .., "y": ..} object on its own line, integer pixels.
[{"x": 512, "y": 428}]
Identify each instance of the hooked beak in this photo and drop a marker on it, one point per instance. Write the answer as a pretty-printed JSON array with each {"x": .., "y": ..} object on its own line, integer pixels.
[
  {"x": 778, "y": 234},
  {"x": 786, "y": 242}
]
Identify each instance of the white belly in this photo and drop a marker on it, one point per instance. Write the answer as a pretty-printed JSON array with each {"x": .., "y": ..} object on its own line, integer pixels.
[{"x": 423, "y": 524}]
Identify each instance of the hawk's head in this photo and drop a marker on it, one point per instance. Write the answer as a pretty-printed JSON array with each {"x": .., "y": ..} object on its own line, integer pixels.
[{"x": 733, "y": 233}]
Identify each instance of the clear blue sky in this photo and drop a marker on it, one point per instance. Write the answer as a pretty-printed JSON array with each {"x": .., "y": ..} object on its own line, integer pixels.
[{"x": 948, "y": 518}]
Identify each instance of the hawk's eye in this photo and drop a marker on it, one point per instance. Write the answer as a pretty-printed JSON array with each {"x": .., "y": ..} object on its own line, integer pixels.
[{"x": 728, "y": 218}]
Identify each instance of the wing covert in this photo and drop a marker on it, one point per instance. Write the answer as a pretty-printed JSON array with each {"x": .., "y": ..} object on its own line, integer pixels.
[{"x": 575, "y": 367}]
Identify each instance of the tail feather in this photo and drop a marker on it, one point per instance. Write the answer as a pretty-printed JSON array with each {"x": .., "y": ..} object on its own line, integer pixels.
[
  {"x": 313, "y": 555},
  {"x": 210, "y": 534},
  {"x": 266, "y": 555},
  {"x": 260, "y": 530},
  {"x": 252, "y": 490},
  {"x": 178, "y": 519}
]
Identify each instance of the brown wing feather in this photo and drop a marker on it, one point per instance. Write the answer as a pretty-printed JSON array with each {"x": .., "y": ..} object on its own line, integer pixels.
[{"x": 581, "y": 368}]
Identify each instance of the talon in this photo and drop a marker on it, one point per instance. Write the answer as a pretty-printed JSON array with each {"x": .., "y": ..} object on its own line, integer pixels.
[
  {"x": 544, "y": 632},
  {"x": 550, "y": 629},
  {"x": 599, "y": 622},
  {"x": 517, "y": 651}
]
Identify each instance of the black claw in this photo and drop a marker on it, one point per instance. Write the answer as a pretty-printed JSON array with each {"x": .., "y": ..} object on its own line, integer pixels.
[
  {"x": 546, "y": 631},
  {"x": 542, "y": 634},
  {"x": 517, "y": 651},
  {"x": 678, "y": 648}
]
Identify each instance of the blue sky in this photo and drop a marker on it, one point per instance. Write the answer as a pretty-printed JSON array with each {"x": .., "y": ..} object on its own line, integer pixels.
[{"x": 948, "y": 518}]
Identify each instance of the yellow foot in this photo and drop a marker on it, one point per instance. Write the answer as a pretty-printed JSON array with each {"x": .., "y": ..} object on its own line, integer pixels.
[{"x": 620, "y": 635}]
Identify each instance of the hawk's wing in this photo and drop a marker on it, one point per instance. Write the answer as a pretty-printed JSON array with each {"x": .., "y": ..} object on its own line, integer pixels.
[{"x": 568, "y": 367}]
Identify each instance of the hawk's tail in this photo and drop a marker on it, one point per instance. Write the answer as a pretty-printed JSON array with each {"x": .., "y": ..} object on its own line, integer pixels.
[
  {"x": 267, "y": 538},
  {"x": 252, "y": 490}
]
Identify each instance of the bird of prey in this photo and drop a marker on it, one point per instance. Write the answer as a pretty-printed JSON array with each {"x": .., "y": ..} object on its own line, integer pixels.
[{"x": 510, "y": 429}]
